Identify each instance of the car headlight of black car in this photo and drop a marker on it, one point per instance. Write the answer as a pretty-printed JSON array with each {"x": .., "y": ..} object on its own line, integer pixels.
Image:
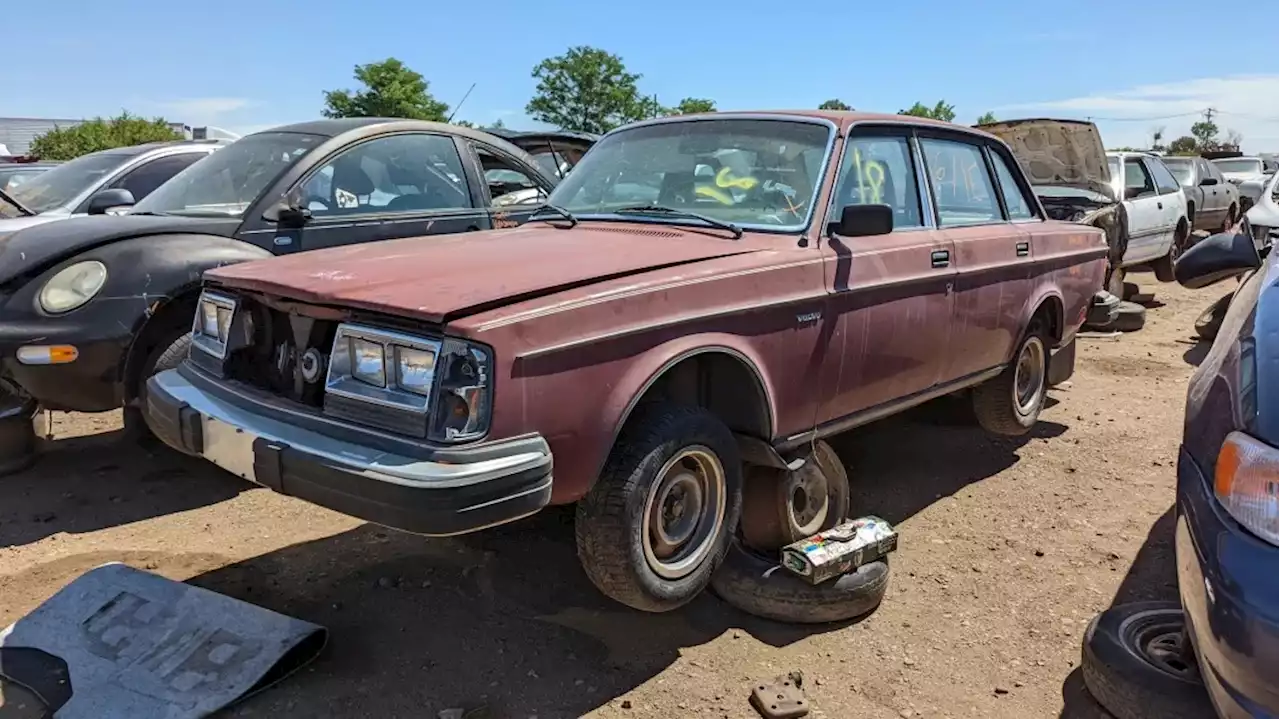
[{"x": 72, "y": 286}]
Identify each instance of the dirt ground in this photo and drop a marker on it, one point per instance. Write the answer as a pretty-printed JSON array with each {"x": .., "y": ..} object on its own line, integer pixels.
[{"x": 1008, "y": 548}]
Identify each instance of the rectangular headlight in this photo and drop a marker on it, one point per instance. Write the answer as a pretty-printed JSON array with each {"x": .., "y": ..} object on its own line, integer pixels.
[
  {"x": 415, "y": 369},
  {"x": 212, "y": 326},
  {"x": 367, "y": 362}
]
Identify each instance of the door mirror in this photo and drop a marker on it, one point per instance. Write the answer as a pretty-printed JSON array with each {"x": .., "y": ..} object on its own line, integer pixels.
[
  {"x": 1216, "y": 258},
  {"x": 1207, "y": 181},
  {"x": 863, "y": 221},
  {"x": 291, "y": 211},
  {"x": 104, "y": 200}
]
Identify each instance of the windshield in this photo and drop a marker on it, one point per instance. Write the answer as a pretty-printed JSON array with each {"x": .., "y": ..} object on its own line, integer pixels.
[
  {"x": 64, "y": 183},
  {"x": 753, "y": 173},
  {"x": 1241, "y": 166},
  {"x": 1181, "y": 169},
  {"x": 225, "y": 183}
]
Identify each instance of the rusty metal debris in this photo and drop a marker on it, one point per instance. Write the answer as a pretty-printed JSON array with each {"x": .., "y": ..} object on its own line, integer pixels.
[{"x": 780, "y": 698}]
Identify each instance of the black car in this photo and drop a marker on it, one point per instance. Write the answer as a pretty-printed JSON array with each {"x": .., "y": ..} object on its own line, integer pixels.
[{"x": 90, "y": 307}]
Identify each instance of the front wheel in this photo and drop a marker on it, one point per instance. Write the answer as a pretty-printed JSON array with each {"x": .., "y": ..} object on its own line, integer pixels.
[
  {"x": 657, "y": 523},
  {"x": 167, "y": 354},
  {"x": 1009, "y": 404}
]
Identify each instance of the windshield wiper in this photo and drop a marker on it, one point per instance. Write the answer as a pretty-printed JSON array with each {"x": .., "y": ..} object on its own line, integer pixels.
[
  {"x": 573, "y": 219},
  {"x": 21, "y": 207},
  {"x": 673, "y": 212}
]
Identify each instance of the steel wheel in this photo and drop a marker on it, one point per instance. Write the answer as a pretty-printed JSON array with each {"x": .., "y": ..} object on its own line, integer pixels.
[
  {"x": 684, "y": 512},
  {"x": 780, "y": 507},
  {"x": 1162, "y": 643},
  {"x": 1029, "y": 377}
]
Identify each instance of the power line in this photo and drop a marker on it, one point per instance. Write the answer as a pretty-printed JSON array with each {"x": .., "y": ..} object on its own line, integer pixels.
[{"x": 1091, "y": 118}]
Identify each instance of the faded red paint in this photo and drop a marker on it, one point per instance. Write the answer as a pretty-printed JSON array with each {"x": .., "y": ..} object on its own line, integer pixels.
[{"x": 582, "y": 319}]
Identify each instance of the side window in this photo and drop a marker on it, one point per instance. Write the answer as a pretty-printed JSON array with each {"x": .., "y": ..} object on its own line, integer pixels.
[
  {"x": 1014, "y": 198},
  {"x": 1137, "y": 181},
  {"x": 142, "y": 180},
  {"x": 570, "y": 155},
  {"x": 961, "y": 184},
  {"x": 1209, "y": 170},
  {"x": 1165, "y": 180},
  {"x": 399, "y": 173},
  {"x": 877, "y": 170},
  {"x": 508, "y": 185}
]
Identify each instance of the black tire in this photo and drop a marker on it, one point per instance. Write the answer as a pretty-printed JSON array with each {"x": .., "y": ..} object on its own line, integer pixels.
[
  {"x": 611, "y": 521},
  {"x": 1131, "y": 289},
  {"x": 1229, "y": 220},
  {"x": 19, "y": 442},
  {"x": 756, "y": 584},
  {"x": 1130, "y": 317},
  {"x": 1210, "y": 321},
  {"x": 1121, "y": 673},
  {"x": 993, "y": 401},
  {"x": 168, "y": 354},
  {"x": 1163, "y": 267}
]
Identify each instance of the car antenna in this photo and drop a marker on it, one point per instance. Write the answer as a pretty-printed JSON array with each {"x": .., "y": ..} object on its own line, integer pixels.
[{"x": 464, "y": 99}]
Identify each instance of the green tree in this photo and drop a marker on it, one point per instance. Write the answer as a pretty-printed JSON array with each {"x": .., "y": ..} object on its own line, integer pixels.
[
  {"x": 1185, "y": 145},
  {"x": 390, "y": 90},
  {"x": 1206, "y": 134},
  {"x": 692, "y": 106},
  {"x": 941, "y": 111},
  {"x": 589, "y": 90},
  {"x": 987, "y": 118},
  {"x": 834, "y": 104},
  {"x": 66, "y": 143},
  {"x": 497, "y": 124}
]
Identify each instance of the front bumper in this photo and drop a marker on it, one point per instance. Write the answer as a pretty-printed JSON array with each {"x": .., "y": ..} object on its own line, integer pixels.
[
  {"x": 437, "y": 493},
  {"x": 1227, "y": 579}
]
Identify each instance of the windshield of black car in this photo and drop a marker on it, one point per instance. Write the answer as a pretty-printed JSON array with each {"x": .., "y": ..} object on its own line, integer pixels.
[
  {"x": 60, "y": 185},
  {"x": 1181, "y": 169},
  {"x": 227, "y": 182},
  {"x": 755, "y": 173},
  {"x": 1241, "y": 166}
]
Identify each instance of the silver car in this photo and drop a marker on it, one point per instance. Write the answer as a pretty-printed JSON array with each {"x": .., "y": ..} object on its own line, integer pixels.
[{"x": 70, "y": 189}]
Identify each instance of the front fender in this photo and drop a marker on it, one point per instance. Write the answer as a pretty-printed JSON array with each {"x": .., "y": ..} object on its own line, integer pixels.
[{"x": 580, "y": 457}]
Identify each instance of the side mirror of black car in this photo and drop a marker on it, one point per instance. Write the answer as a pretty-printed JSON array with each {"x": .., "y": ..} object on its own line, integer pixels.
[
  {"x": 1216, "y": 258},
  {"x": 1208, "y": 181},
  {"x": 863, "y": 221},
  {"x": 104, "y": 200},
  {"x": 291, "y": 211}
]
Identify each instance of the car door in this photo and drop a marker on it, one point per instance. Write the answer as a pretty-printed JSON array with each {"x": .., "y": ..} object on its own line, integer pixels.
[
  {"x": 386, "y": 187},
  {"x": 992, "y": 257},
  {"x": 891, "y": 293},
  {"x": 1149, "y": 232},
  {"x": 1173, "y": 201},
  {"x": 511, "y": 189},
  {"x": 1221, "y": 194}
]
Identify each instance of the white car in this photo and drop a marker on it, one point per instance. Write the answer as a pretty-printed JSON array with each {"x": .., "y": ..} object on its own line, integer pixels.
[
  {"x": 1264, "y": 217},
  {"x": 1156, "y": 211},
  {"x": 1241, "y": 169}
]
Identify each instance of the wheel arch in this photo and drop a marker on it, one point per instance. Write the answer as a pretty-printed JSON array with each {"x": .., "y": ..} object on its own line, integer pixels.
[{"x": 1051, "y": 307}]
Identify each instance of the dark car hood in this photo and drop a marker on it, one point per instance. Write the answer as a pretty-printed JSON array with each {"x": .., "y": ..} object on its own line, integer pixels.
[
  {"x": 44, "y": 244},
  {"x": 1058, "y": 153}
]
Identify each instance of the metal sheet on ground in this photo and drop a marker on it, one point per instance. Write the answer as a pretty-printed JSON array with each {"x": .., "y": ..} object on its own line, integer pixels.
[{"x": 140, "y": 646}]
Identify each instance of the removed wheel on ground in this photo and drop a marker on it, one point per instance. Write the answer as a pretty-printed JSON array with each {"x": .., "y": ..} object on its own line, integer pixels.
[
  {"x": 1130, "y": 317},
  {"x": 1130, "y": 289},
  {"x": 780, "y": 506},
  {"x": 1009, "y": 403},
  {"x": 755, "y": 583},
  {"x": 1210, "y": 321},
  {"x": 657, "y": 523},
  {"x": 1137, "y": 665}
]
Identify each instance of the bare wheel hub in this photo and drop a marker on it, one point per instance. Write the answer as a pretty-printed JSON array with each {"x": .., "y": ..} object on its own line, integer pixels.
[{"x": 780, "y": 507}]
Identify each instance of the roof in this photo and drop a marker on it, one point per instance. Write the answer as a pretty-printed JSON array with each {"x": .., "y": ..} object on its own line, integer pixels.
[
  {"x": 839, "y": 117},
  {"x": 332, "y": 127}
]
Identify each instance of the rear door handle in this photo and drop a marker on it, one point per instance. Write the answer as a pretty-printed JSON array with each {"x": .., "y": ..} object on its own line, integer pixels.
[
  {"x": 1022, "y": 248},
  {"x": 940, "y": 258}
]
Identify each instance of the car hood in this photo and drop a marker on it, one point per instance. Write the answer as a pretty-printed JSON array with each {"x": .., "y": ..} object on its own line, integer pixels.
[
  {"x": 437, "y": 279},
  {"x": 10, "y": 225},
  {"x": 1058, "y": 153},
  {"x": 43, "y": 244}
]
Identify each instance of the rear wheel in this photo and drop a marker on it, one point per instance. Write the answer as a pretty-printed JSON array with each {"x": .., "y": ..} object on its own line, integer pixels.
[
  {"x": 1229, "y": 220},
  {"x": 1163, "y": 268},
  {"x": 1009, "y": 404}
]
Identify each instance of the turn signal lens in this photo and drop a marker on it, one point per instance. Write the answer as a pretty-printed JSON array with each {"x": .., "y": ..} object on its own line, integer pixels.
[
  {"x": 47, "y": 354},
  {"x": 1245, "y": 482}
]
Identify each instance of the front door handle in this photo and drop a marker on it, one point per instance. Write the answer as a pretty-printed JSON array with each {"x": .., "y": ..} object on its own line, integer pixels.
[
  {"x": 1022, "y": 249},
  {"x": 940, "y": 258},
  {"x": 1159, "y": 205}
]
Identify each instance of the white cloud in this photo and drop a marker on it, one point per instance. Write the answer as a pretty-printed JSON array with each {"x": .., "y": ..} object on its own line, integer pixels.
[
  {"x": 202, "y": 110},
  {"x": 1245, "y": 103}
]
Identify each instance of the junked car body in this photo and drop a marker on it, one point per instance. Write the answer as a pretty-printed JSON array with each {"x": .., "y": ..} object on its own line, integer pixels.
[
  {"x": 631, "y": 358},
  {"x": 1212, "y": 203},
  {"x": 90, "y": 308},
  {"x": 1264, "y": 217},
  {"x": 1155, "y": 209}
]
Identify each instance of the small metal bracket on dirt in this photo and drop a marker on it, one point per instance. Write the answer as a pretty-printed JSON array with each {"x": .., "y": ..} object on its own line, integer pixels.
[{"x": 779, "y": 699}]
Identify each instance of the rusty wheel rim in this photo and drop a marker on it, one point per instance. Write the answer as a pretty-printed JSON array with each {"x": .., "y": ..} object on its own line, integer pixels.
[
  {"x": 684, "y": 512},
  {"x": 781, "y": 507}
]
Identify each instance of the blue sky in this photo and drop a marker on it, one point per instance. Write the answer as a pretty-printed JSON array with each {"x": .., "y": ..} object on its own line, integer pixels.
[{"x": 247, "y": 65}]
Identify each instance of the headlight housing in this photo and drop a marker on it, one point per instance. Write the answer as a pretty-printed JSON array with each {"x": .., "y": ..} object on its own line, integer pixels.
[
  {"x": 421, "y": 386},
  {"x": 72, "y": 286},
  {"x": 212, "y": 326},
  {"x": 1244, "y": 481}
]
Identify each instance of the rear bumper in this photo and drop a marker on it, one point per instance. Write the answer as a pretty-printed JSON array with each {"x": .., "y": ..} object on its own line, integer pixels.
[
  {"x": 1227, "y": 579},
  {"x": 451, "y": 492}
]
